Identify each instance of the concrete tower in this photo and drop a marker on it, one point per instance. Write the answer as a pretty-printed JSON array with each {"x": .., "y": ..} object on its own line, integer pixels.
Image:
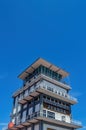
[{"x": 43, "y": 102}]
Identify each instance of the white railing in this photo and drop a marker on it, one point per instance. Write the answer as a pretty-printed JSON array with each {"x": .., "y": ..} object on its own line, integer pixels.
[
  {"x": 61, "y": 83},
  {"x": 45, "y": 115},
  {"x": 55, "y": 91},
  {"x": 41, "y": 114},
  {"x": 67, "y": 96},
  {"x": 27, "y": 84}
]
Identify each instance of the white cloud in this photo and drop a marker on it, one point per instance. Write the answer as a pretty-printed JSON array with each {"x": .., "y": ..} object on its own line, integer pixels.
[{"x": 4, "y": 128}]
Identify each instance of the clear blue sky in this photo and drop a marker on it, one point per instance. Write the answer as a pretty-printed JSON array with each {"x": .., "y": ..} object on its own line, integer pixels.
[{"x": 52, "y": 29}]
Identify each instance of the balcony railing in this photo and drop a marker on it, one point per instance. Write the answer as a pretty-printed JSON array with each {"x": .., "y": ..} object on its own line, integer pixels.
[
  {"x": 50, "y": 89},
  {"x": 41, "y": 114},
  {"x": 53, "y": 117},
  {"x": 28, "y": 84},
  {"x": 67, "y": 96},
  {"x": 56, "y": 104},
  {"x": 60, "y": 83}
]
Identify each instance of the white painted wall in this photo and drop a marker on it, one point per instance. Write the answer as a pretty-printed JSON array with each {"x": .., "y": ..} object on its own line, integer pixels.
[{"x": 58, "y": 116}]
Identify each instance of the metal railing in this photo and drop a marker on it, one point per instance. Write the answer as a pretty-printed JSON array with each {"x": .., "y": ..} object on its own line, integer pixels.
[
  {"x": 55, "y": 91},
  {"x": 27, "y": 84},
  {"x": 41, "y": 114},
  {"x": 46, "y": 115},
  {"x": 56, "y": 104},
  {"x": 67, "y": 96},
  {"x": 61, "y": 83}
]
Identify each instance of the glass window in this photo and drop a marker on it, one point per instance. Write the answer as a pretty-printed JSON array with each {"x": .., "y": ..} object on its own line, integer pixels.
[
  {"x": 24, "y": 106},
  {"x": 51, "y": 114},
  {"x": 63, "y": 118},
  {"x": 13, "y": 120},
  {"x": 40, "y": 68},
  {"x": 44, "y": 97},
  {"x": 49, "y": 88},
  {"x": 48, "y": 98},
  {"x": 16, "y": 101},
  {"x": 37, "y": 107},
  {"x": 26, "y": 93},
  {"x": 55, "y": 91},
  {"x": 52, "y": 100},
  {"x": 50, "y": 73},
  {"x": 21, "y": 96},
  {"x": 37, "y": 99},
  {"x": 14, "y": 111},
  {"x": 44, "y": 113},
  {"x": 18, "y": 119},
  {"x": 23, "y": 116},
  {"x": 19, "y": 107},
  {"x": 52, "y": 107},
  {"x": 30, "y": 111}
]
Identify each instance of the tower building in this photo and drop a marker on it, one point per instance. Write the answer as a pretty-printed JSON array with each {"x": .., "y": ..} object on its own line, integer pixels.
[{"x": 43, "y": 102}]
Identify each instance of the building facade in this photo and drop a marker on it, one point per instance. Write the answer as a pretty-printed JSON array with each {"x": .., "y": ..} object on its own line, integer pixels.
[{"x": 43, "y": 102}]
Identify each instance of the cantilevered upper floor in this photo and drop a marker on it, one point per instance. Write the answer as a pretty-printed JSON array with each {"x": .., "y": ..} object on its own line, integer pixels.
[
  {"x": 46, "y": 68},
  {"x": 40, "y": 85}
]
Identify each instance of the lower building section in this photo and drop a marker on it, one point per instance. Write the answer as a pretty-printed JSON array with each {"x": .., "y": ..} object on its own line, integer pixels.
[
  {"x": 54, "y": 127},
  {"x": 46, "y": 120},
  {"x": 41, "y": 125}
]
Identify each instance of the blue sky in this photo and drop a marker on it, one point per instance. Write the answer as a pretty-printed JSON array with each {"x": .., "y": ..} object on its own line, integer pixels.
[{"x": 52, "y": 29}]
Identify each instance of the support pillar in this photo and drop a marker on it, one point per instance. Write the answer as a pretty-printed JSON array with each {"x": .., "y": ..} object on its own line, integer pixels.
[{"x": 41, "y": 125}]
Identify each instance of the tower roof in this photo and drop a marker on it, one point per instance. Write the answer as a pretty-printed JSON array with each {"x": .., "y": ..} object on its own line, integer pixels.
[{"x": 45, "y": 63}]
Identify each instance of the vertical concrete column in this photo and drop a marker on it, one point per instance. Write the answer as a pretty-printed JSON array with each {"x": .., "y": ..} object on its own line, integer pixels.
[
  {"x": 33, "y": 105},
  {"x": 41, "y": 125},
  {"x": 32, "y": 126},
  {"x": 27, "y": 109},
  {"x": 41, "y": 105}
]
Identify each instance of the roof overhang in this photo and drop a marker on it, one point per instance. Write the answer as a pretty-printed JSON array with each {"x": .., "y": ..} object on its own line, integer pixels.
[{"x": 45, "y": 63}]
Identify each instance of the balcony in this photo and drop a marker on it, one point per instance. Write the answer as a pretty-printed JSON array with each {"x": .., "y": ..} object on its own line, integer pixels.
[
  {"x": 26, "y": 86},
  {"x": 56, "y": 94},
  {"x": 38, "y": 78},
  {"x": 51, "y": 119},
  {"x": 35, "y": 91},
  {"x": 59, "y": 83},
  {"x": 27, "y": 97},
  {"x": 56, "y": 104},
  {"x": 37, "y": 116}
]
